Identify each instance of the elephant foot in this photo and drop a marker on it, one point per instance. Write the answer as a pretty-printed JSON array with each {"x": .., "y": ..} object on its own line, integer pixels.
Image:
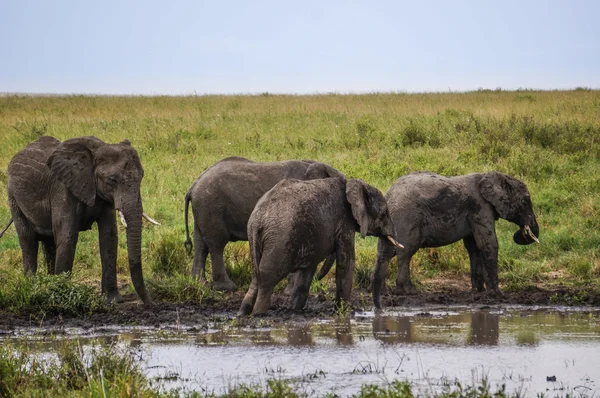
[
  {"x": 226, "y": 285},
  {"x": 114, "y": 297},
  {"x": 494, "y": 293},
  {"x": 245, "y": 309},
  {"x": 404, "y": 290}
]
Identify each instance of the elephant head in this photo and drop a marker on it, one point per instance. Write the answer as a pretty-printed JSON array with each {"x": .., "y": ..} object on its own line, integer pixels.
[
  {"x": 93, "y": 170},
  {"x": 512, "y": 202},
  {"x": 369, "y": 209}
]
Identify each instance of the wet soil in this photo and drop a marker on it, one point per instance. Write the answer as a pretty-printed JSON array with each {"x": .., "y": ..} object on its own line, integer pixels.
[{"x": 165, "y": 314}]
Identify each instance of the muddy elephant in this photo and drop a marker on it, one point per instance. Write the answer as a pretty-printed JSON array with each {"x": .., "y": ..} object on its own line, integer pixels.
[
  {"x": 222, "y": 199},
  {"x": 297, "y": 224},
  {"x": 56, "y": 189},
  {"x": 430, "y": 210}
]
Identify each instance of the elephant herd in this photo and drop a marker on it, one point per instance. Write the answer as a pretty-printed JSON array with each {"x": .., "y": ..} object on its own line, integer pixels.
[{"x": 295, "y": 214}]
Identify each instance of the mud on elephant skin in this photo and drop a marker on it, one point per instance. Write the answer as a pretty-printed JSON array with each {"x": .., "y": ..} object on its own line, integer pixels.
[
  {"x": 57, "y": 189},
  {"x": 223, "y": 198},
  {"x": 297, "y": 224},
  {"x": 430, "y": 210}
]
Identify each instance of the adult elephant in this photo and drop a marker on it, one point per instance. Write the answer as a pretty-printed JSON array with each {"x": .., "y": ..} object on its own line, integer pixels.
[
  {"x": 431, "y": 210},
  {"x": 297, "y": 224},
  {"x": 223, "y": 198},
  {"x": 56, "y": 189}
]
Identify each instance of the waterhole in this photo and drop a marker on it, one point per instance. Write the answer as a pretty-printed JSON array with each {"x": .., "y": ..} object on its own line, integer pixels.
[{"x": 525, "y": 349}]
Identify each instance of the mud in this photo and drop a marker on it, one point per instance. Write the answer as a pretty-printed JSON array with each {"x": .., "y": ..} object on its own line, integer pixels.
[{"x": 134, "y": 313}]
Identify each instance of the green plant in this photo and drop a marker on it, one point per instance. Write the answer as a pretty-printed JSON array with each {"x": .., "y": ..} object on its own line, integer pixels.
[
  {"x": 167, "y": 255},
  {"x": 50, "y": 295},
  {"x": 180, "y": 288}
]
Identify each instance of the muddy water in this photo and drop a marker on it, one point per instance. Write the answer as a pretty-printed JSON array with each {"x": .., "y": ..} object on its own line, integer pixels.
[{"x": 434, "y": 348}]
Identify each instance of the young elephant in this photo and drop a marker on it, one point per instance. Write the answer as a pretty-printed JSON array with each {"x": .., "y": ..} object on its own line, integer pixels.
[
  {"x": 430, "y": 210},
  {"x": 56, "y": 189},
  {"x": 224, "y": 196},
  {"x": 297, "y": 224}
]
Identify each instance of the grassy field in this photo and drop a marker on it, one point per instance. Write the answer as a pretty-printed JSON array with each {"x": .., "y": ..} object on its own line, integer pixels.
[{"x": 550, "y": 140}]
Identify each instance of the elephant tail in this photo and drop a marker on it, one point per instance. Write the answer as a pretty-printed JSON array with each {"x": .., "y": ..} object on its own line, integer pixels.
[
  {"x": 256, "y": 254},
  {"x": 188, "y": 242},
  {"x": 5, "y": 228}
]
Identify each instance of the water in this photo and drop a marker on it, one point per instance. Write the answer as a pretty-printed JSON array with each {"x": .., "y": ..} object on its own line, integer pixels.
[{"x": 520, "y": 347}]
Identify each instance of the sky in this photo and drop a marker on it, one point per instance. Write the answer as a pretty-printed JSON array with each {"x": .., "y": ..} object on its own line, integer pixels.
[{"x": 297, "y": 47}]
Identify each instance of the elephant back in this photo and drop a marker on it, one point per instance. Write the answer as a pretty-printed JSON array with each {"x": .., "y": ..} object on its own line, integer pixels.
[{"x": 32, "y": 157}]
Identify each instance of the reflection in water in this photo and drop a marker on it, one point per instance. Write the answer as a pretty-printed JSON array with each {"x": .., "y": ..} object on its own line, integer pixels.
[
  {"x": 484, "y": 328},
  {"x": 422, "y": 346},
  {"x": 300, "y": 336},
  {"x": 392, "y": 329},
  {"x": 526, "y": 337},
  {"x": 343, "y": 332}
]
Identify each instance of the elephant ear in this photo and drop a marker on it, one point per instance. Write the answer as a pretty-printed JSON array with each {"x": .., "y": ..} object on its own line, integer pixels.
[
  {"x": 496, "y": 189},
  {"x": 318, "y": 170},
  {"x": 356, "y": 196},
  {"x": 72, "y": 163}
]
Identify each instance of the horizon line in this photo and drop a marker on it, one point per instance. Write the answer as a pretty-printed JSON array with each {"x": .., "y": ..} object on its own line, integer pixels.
[{"x": 290, "y": 94}]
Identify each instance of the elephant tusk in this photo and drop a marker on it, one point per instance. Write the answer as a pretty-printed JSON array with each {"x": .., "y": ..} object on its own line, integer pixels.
[
  {"x": 394, "y": 242},
  {"x": 150, "y": 219},
  {"x": 529, "y": 233},
  {"x": 122, "y": 218}
]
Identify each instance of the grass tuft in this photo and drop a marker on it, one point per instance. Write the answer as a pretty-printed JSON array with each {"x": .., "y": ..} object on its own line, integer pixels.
[{"x": 49, "y": 295}]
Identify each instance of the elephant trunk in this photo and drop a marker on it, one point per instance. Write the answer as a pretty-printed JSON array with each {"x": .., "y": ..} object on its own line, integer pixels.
[
  {"x": 528, "y": 232},
  {"x": 377, "y": 282},
  {"x": 132, "y": 213}
]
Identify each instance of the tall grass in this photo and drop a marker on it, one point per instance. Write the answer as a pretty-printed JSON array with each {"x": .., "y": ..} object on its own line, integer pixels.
[{"x": 548, "y": 139}]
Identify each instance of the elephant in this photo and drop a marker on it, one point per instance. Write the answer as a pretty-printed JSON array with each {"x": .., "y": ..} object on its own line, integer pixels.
[
  {"x": 223, "y": 198},
  {"x": 57, "y": 189},
  {"x": 431, "y": 210},
  {"x": 297, "y": 224}
]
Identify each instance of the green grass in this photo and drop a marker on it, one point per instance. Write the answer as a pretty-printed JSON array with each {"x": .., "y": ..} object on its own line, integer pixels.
[
  {"x": 548, "y": 139},
  {"x": 49, "y": 295}
]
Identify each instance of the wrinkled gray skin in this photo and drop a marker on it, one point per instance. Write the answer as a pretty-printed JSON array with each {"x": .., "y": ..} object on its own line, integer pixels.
[
  {"x": 430, "y": 210},
  {"x": 297, "y": 224},
  {"x": 57, "y": 189},
  {"x": 223, "y": 198}
]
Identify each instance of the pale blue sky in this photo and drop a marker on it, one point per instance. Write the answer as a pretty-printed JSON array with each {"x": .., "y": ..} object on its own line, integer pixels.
[{"x": 186, "y": 47}]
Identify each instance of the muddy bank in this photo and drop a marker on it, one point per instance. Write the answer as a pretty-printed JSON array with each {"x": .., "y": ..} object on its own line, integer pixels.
[{"x": 134, "y": 313}]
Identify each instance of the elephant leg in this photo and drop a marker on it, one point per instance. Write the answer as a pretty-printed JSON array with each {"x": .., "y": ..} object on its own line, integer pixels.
[
  {"x": 108, "y": 242},
  {"x": 49, "y": 248},
  {"x": 476, "y": 260},
  {"x": 221, "y": 280},
  {"x": 487, "y": 243},
  {"x": 28, "y": 239},
  {"x": 292, "y": 281},
  {"x": 344, "y": 269},
  {"x": 200, "y": 254},
  {"x": 301, "y": 288},
  {"x": 263, "y": 300},
  {"x": 268, "y": 275},
  {"x": 490, "y": 273},
  {"x": 249, "y": 298},
  {"x": 66, "y": 232},
  {"x": 404, "y": 284}
]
